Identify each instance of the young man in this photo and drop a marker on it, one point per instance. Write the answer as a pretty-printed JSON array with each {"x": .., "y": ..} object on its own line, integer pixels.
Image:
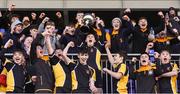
[
  {"x": 144, "y": 75},
  {"x": 94, "y": 59},
  {"x": 42, "y": 73},
  {"x": 83, "y": 76},
  {"x": 61, "y": 66},
  {"x": 14, "y": 70},
  {"x": 167, "y": 81},
  {"x": 120, "y": 73}
]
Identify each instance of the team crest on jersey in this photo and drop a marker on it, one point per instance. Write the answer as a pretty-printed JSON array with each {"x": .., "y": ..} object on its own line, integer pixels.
[
  {"x": 87, "y": 71},
  {"x": 91, "y": 50},
  {"x": 150, "y": 72}
]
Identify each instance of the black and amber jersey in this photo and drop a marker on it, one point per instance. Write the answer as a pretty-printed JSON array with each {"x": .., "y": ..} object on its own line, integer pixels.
[
  {"x": 81, "y": 76},
  {"x": 94, "y": 62},
  {"x": 62, "y": 72},
  {"x": 145, "y": 77},
  {"x": 15, "y": 76},
  {"x": 168, "y": 84},
  {"x": 120, "y": 85},
  {"x": 94, "y": 58}
]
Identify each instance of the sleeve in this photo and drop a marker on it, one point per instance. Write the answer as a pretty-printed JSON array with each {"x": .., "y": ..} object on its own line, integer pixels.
[
  {"x": 41, "y": 28},
  {"x": 132, "y": 73},
  {"x": 53, "y": 59},
  {"x": 72, "y": 65},
  {"x": 94, "y": 75},
  {"x": 9, "y": 66},
  {"x": 122, "y": 69},
  {"x": 3, "y": 51},
  {"x": 74, "y": 80},
  {"x": 175, "y": 67}
]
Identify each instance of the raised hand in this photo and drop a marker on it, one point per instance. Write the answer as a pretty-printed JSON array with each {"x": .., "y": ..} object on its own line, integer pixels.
[
  {"x": 9, "y": 43},
  {"x": 45, "y": 19},
  {"x": 11, "y": 7},
  {"x": 160, "y": 13},
  {"x": 42, "y": 15},
  {"x": 33, "y": 15},
  {"x": 58, "y": 14}
]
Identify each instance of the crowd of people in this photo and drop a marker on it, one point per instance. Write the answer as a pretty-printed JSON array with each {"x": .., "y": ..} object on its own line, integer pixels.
[{"x": 40, "y": 47}]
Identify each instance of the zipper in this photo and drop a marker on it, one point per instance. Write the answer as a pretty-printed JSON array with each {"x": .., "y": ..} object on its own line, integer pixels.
[{"x": 41, "y": 79}]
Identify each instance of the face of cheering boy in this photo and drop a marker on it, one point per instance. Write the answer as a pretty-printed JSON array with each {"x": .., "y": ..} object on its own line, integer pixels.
[
  {"x": 18, "y": 57},
  {"x": 143, "y": 23},
  {"x": 39, "y": 52},
  {"x": 90, "y": 40},
  {"x": 59, "y": 53},
  {"x": 116, "y": 24},
  {"x": 144, "y": 59},
  {"x": 118, "y": 59},
  {"x": 165, "y": 57},
  {"x": 83, "y": 58}
]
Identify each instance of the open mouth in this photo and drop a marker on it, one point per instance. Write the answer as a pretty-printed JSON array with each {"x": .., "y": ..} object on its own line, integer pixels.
[
  {"x": 90, "y": 41},
  {"x": 143, "y": 61},
  {"x": 59, "y": 55},
  {"x": 165, "y": 59},
  {"x": 41, "y": 52}
]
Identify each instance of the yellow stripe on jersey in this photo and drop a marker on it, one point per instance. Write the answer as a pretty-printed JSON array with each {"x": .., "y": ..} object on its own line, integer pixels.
[
  {"x": 122, "y": 69},
  {"x": 98, "y": 59},
  {"x": 59, "y": 75},
  {"x": 122, "y": 83},
  {"x": 173, "y": 80},
  {"x": 108, "y": 37},
  {"x": 10, "y": 81},
  {"x": 74, "y": 80},
  {"x": 98, "y": 32}
]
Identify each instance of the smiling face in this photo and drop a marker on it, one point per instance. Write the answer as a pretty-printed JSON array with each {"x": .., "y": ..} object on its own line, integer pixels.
[
  {"x": 83, "y": 57},
  {"x": 144, "y": 59},
  {"x": 34, "y": 32},
  {"x": 39, "y": 52},
  {"x": 165, "y": 57},
  {"x": 71, "y": 30},
  {"x": 18, "y": 28},
  {"x": 118, "y": 59},
  {"x": 18, "y": 57},
  {"x": 79, "y": 15},
  {"x": 59, "y": 53},
  {"x": 90, "y": 40},
  {"x": 116, "y": 24},
  {"x": 50, "y": 29},
  {"x": 143, "y": 23},
  {"x": 28, "y": 41}
]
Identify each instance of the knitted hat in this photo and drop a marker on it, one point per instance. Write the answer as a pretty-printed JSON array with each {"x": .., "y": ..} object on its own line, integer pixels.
[
  {"x": 15, "y": 23},
  {"x": 117, "y": 19}
]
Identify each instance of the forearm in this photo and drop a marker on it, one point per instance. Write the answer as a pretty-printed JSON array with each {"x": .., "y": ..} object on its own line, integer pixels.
[
  {"x": 110, "y": 56},
  {"x": 49, "y": 46},
  {"x": 41, "y": 28},
  {"x": 169, "y": 74},
  {"x": 114, "y": 74}
]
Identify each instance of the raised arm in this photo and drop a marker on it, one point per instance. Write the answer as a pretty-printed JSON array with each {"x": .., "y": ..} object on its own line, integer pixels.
[
  {"x": 48, "y": 45},
  {"x": 65, "y": 57},
  {"x": 8, "y": 44},
  {"x": 111, "y": 60}
]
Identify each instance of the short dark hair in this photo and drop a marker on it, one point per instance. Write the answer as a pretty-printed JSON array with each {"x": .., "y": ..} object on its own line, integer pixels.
[
  {"x": 144, "y": 53},
  {"x": 122, "y": 54},
  {"x": 33, "y": 27},
  {"x": 142, "y": 18},
  {"x": 83, "y": 50},
  {"x": 21, "y": 51},
  {"x": 51, "y": 23},
  {"x": 165, "y": 50}
]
